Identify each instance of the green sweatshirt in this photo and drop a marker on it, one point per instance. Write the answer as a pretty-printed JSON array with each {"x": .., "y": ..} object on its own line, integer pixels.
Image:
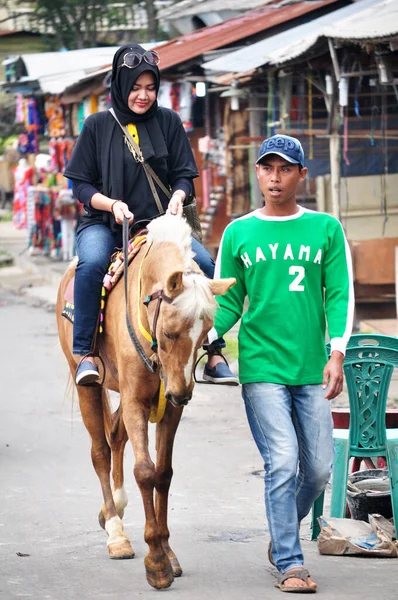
[{"x": 296, "y": 273}]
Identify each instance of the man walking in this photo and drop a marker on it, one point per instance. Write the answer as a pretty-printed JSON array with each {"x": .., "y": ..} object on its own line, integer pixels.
[{"x": 294, "y": 267}]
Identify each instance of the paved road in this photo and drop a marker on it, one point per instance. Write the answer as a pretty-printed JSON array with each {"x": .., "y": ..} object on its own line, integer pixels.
[{"x": 50, "y": 496}]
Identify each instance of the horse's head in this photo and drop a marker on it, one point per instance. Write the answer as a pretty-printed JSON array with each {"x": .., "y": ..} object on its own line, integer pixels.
[
  {"x": 182, "y": 328},
  {"x": 186, "y": 313}
]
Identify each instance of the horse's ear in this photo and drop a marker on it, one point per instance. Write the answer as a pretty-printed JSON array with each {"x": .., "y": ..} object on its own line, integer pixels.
[
  {"x": 174, "y": 283},
  {"x": 219, "y": 287}
]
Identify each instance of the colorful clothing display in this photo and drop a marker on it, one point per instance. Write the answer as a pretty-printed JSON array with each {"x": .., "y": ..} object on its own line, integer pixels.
[
  {"x": 55, "y": 116},
  {"x": 41, "y": 237},
  {"x": 23, "y": 174}
]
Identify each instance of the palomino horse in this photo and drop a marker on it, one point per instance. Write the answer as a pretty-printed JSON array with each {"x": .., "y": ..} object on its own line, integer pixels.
[{"x": 163, "y": 269}]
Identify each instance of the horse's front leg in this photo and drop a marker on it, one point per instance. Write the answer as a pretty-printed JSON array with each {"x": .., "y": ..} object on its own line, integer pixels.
[
  {"x": 117, "y": 437},
  {"x": 159, "y": 572},
  {"x": 165, "y": 433},
  {"x": 95, "y": 412}
]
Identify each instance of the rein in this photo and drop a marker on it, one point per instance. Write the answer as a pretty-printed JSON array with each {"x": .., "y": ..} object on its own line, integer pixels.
[{"x": 159, "y": 295}]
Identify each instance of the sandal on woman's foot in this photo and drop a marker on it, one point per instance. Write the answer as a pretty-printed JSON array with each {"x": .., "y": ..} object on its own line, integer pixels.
[
  {"x": 271, "y": 560},
  {"x": 297, "y": 573}
]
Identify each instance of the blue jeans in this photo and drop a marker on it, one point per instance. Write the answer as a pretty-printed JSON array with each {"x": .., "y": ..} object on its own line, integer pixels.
[
  {"x": 95, "y": 244},
  {"x": 292, "y": 427}
]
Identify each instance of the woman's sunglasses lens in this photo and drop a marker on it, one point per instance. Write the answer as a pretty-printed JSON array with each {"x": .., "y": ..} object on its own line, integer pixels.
[
  {"x": 132, "y": 60},
  {"x": 152, "y": 58}
]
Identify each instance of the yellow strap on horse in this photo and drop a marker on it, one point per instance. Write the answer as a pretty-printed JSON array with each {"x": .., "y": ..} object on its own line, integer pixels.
[
  {"x": 157, "y": 412},
  {"x": 144, "y": 332}
]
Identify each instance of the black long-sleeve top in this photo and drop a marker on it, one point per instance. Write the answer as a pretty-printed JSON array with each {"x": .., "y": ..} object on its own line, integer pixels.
[{"x": 102, "y": 162}]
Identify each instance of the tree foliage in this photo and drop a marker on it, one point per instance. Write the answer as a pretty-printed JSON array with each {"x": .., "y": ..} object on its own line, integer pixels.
[{"x": 79, "y": 23}]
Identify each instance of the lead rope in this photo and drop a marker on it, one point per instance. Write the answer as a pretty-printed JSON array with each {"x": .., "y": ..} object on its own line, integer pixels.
[{"x": 150, "y": 365}]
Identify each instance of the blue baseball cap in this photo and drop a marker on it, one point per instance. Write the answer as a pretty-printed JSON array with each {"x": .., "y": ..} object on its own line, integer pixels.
[{"x": 285, "y": 146}]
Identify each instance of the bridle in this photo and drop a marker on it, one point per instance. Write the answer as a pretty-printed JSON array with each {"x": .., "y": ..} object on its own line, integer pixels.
[{"x": 152, "y": 363}]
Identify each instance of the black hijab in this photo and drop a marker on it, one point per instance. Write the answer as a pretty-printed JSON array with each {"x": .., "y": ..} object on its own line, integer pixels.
[
  {"x": 122, "y": 82},
  {"x": 152, "y": 142}
]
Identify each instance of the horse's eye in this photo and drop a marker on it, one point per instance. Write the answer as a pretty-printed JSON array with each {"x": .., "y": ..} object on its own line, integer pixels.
[{"x": 170, "y": 336}]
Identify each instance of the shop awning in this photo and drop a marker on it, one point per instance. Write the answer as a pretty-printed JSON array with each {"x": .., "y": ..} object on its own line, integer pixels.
[
  {"x": 362, "y": 20},
  {"x": 53, "y": 72}
]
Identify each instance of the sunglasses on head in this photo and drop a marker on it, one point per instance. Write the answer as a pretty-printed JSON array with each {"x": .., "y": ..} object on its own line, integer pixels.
[{"x": 131, "y": 60}]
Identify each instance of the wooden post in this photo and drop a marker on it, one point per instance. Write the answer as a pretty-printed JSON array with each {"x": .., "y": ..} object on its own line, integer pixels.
[
  {"x": 256, "y": 118},
  {"x": 334, "y": 150}
]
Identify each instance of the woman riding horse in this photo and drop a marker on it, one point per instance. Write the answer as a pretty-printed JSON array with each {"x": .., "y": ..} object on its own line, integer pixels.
[
  {"x": 170, "y": 301},
  {"x": 112, "y": 185}
]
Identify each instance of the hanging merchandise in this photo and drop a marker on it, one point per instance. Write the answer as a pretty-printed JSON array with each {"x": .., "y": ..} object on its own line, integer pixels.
[
  {"x": 60, "y": 151},
  {"x": 19, "y": 114},
  {"x": 23, "y": 174},
  {"x": 55, "y": 116},
  {"x": 27, "y": 143},
  {"x": 41, "y": 238},
  {"x": 66, "y": 213}
]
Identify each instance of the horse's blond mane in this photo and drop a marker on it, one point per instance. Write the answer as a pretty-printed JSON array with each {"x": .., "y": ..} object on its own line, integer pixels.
[
  {"x": 169, "y": 228},
  {"x": 197, "y": 300}
]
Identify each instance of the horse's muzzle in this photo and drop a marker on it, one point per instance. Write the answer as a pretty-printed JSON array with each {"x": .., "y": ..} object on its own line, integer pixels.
[{"x": 178, "y": 401}]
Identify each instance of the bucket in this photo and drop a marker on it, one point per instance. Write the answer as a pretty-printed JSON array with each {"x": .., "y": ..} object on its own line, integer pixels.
[{"x": 369, "y": 492}]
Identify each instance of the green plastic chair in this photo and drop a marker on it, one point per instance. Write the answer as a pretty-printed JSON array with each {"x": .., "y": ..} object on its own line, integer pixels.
[{"x": 368, "y": 367}]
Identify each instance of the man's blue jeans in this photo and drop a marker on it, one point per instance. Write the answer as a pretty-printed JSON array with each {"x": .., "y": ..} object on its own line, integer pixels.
[
  {"x": 95, "y": 245},
  {"x": 292, "y": 427}
]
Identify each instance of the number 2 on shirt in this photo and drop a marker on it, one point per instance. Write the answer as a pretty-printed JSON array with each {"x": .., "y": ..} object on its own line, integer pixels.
[{"x": 300, "y": 274}]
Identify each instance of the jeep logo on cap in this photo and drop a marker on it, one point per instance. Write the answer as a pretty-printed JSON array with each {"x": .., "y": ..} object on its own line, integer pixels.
[{"x": 280, "y": 143}]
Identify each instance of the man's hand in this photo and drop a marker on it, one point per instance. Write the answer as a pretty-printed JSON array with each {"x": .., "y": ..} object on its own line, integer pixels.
[
  {"x": 176, "y": 204},
  {"x": 333, "y": 375}
]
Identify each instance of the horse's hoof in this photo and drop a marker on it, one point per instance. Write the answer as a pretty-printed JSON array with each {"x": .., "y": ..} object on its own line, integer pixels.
[
  {"x": 121, "y": 550},
  {"x": 160, "y": 577},
  {"x": 175, "y": 565}
]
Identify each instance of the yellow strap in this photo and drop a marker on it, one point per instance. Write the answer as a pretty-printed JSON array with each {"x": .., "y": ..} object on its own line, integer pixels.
[
  {"x": 144, "y": 332},
  {"x": 157, "y": 412}
]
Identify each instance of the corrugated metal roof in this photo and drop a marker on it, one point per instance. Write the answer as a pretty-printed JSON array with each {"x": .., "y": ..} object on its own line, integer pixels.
[
  {"x": 195, "y": 44},
  {"x": 365, "y": 19},
  {"x": 378, "y": 20},
  {"x": 55, "y": 71},
  {"x": 188, "y": 8}
]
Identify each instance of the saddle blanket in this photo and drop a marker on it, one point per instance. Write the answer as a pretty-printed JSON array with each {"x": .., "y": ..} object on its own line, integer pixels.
[{"x": 112, "y": 276}]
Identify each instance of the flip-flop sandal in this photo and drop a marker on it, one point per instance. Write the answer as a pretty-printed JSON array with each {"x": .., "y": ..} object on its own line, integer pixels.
[
  {"x": 298, "y": 573},
  {"x": 271, "y": 560}
]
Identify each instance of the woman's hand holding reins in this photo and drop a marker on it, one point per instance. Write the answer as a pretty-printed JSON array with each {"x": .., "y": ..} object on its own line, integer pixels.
[
  {"x": 176, "y": 203},
  {"x": 120, "y": 210}
]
